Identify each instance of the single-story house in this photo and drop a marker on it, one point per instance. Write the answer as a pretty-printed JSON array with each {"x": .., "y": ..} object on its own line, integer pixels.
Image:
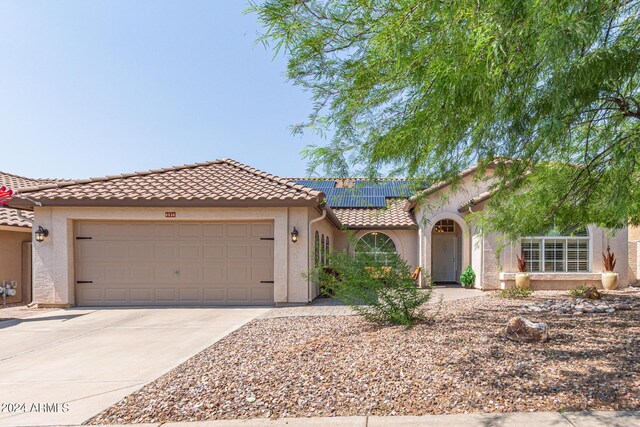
[{"x": 223, "y": 233}]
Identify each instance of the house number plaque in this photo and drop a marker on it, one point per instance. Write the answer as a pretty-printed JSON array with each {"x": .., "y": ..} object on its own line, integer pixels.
[{"x": 169, "y": 214}]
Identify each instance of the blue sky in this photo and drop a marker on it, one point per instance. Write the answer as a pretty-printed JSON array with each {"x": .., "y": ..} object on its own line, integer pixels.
[{"x": 91, "y": 88}]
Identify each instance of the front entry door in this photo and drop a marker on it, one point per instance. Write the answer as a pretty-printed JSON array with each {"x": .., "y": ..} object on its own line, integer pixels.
[{"x": 444, "y": 258}]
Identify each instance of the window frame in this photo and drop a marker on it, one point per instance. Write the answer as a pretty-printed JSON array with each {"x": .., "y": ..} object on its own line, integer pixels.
[
  {"x": 378, "y": 254},
  {"x": 445, "y": 226},
  {"x": 565, "y": 240}
]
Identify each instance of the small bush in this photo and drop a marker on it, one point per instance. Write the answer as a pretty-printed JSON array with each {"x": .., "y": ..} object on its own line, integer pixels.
[
  {"x": 584, "y": 291},
  {"x": 382, "y": 292},
  {"x": 468, "y": 277},
  {"x": 515, "y": 293}
]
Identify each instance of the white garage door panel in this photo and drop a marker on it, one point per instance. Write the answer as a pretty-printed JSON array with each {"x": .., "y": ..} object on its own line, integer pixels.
[{"x": 145, "y": 263}]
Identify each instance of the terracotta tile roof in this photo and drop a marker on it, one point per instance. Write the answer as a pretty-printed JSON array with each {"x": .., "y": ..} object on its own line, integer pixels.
[
  {"x": 15, "y": 181},
  {"x": 394, "y": 216},
  {"x": 216, "y": 183},
  {"x": 475, "y": 201},
  {"x": 15, "y": 217}
]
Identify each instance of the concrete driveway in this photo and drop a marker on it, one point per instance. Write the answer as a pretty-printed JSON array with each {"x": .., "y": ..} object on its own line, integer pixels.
[{"x": 64, "y": 366}]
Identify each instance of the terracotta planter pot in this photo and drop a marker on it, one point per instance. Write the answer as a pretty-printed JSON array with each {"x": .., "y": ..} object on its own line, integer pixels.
[
  {"x": 610, "y": 280},
  {"x": 523, "y": 281}
]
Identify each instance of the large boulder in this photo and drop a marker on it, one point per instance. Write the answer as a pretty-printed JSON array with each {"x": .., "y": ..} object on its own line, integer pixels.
[{"x": 520, "y": 329}]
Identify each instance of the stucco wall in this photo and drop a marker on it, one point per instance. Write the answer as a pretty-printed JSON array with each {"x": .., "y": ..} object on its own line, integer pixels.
[
  {"x": 324, "y": 228},
  {"x": 600, "y": 238},
  {"x": 634, "y": 262},
  {"x": 634, "y": 234},
  {"x": 342, "y": 239},
  {"x": 488, "y": 255},
  {"x": 444, "y": 204},
  {"x": 633, "y": 248},
  {"x": 487, "y": 262},
  {"x": 53, "y": 268},
  {"x": 11, "y": 263},
  {"x": 298, "y": 255}
]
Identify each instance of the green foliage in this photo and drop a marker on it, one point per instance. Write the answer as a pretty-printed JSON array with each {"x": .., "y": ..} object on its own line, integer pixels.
[
  {"x": 427, "y": 88},
  {"x": 515, "y": 293},
  {"x": 468, "y": 277},
  {"x": 382, "y": 292},
  {"x": 584, "y": 291}
]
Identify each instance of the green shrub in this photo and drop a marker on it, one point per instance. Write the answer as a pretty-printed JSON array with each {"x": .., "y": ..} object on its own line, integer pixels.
[
  {"x": 381, "y": 291},
  {"x": 584, "y": 291},
  {"x": 515, "y": 293},
  {"x": 468, "y": 278}
]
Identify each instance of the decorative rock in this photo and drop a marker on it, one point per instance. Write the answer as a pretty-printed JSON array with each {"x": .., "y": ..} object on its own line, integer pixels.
[
  {"x": 582, "y": 306},
  {"x": 520, "y": 329}
]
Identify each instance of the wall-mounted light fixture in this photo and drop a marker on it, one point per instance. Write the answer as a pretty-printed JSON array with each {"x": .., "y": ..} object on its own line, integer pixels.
[
  {"x": 41, "y": 233},
  {"x": 294, "y": 235}
]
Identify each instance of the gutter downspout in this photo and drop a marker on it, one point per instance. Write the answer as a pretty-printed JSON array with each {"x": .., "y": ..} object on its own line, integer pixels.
[{"x": 313, "y": 221}]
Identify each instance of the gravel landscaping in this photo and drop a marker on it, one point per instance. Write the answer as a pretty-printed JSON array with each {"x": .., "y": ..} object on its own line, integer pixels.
[{"x": 459, "y": 362}]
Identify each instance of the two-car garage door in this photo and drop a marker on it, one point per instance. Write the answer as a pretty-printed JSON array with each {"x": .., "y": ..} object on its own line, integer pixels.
[{"x": 173, "y": 263}]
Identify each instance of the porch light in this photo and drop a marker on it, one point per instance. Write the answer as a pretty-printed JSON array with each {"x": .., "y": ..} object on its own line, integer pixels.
[
  {"x": 294, "y": 235},
  {"x": 41, "y": 233}
]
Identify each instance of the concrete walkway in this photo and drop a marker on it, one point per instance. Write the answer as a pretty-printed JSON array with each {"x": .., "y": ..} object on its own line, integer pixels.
[
  {"x": 333, "y": 307},
  {"x": 519, "y": 419},
  {"x": 63, "y": 367}
]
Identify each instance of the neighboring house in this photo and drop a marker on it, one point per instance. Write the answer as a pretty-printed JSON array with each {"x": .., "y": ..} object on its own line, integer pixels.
[
  {"x": 634, "y": 255},
  {"x": 222, "y": 233},
  {"x": 15, "y": 240}
]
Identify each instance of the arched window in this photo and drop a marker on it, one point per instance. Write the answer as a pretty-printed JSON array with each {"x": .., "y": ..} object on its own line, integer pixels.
[
  {"x": 377, "y": 244},
  {"x": 444, "y": 226},
  {"x": 323, "y": 258},
  {"x": 316, "y": 250},
  {"x": 326, "y": 251},
  {"x": 558, "y": 251}
]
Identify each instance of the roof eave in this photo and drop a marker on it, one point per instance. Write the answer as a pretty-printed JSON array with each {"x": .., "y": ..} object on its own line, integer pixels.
[
  {"x": 413, "y": 201},
  {"x": 29, "y": 205},
  {"x": 331, "y": 215},
  {"x": 381, "y": 227},
  {"x": 15, "y": 228},
  {"x": 474, "y": 202}
]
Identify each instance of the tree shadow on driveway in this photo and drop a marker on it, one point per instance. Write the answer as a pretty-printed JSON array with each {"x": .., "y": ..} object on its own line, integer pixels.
[{"x": 13, "y": 322}]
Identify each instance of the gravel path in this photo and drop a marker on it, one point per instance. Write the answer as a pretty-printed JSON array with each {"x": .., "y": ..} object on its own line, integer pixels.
[{"x": 340, "y": 365}]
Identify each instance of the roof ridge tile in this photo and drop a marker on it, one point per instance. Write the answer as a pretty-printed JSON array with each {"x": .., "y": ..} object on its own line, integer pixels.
[{"x": 272, "y": 177}]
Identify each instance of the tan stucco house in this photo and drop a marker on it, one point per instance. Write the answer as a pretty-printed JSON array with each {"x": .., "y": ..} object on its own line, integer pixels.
[{"x": 223, "y": 233}]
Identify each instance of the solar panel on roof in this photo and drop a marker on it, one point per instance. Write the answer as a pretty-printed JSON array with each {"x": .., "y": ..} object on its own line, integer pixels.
[{"x": 365, "y": 192}]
